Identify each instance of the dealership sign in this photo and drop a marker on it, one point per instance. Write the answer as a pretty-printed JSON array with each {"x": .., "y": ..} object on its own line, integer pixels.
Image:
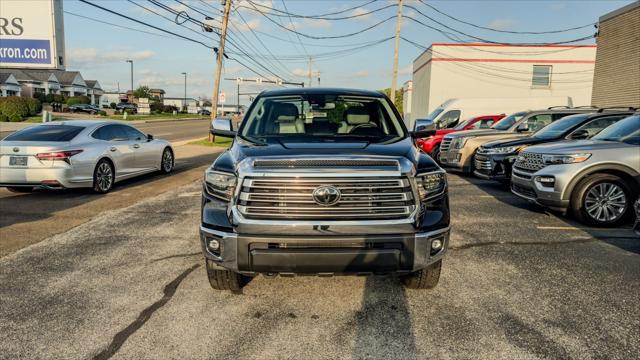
[{"x": 27, "y": 34}]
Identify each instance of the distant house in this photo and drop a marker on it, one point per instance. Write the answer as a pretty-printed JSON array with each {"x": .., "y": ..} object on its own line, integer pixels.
[
  {"x": 157, "y": 93},
  {"x": 94, "y": 91},
  {"x": 71, "y": 83},
  {"x": 35, "y": 81},
  {"x": 9, "y": 86}
]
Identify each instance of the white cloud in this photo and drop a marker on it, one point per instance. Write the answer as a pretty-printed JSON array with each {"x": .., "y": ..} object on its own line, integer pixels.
[
  {"x": 317, "y": 23},
  {"x": 80, "y": 56},
  {"x": 360, "y": 11},
  {"x": 251, "y": 24},
  {"x": 300, "y": 72},
  {"x": 293, "y": 25},
  {"x": 361, "y": 74},
  {"x": 557, "y": 6},
  {"x": 501, "y": 24}
]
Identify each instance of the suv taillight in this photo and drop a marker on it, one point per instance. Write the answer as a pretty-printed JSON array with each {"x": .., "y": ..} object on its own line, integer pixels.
[{"x": 58, "y": 155}]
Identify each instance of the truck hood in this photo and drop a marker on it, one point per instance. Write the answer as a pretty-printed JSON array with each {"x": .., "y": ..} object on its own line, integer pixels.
[
  {"x": 475, "y": 142},
  {"x": 404, "y": 148},
  {"x": 578, "y": 146},
  {"x": 478, "y": 132}
]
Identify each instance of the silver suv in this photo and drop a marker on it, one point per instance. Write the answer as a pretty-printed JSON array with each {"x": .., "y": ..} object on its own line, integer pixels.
[{"x": 597, "y": 180}]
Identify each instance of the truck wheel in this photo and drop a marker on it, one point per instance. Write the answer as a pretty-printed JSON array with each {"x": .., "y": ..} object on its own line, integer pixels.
[
  {"x": 426, "y": 278},
  {"x": 602, "y": 200},
  {"x": 225, "y": 279}
]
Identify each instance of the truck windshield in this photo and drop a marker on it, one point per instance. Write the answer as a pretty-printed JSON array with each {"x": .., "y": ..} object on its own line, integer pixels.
[
  {"x": 313, "y": 117},
  {"x": 557, "y": 128},
  {"x": 626, "y": 131},
  {"x": 507, "y": 122}
]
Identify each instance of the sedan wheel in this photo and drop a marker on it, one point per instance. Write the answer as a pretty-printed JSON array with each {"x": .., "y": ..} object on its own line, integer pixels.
[
  {"x": 103, "y": 177},
  {"x": 167, "y": 161}
]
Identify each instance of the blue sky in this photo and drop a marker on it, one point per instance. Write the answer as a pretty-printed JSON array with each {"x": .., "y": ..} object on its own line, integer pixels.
[{"x": 100, "y": 50}]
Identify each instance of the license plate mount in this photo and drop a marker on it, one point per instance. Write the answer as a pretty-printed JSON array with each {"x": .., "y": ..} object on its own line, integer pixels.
[{"x": 18, "y": 160}]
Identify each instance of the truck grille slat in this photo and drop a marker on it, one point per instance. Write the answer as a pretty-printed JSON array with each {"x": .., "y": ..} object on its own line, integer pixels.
[
  {"x": 482, "y": 162},
  {"x": 445, "y": 144},
  {"x": 292, "y": 198}
]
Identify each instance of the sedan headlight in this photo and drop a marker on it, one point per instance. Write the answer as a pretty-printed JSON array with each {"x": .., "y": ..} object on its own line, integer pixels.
[
  {"x": 219, "y": 184},
  {"x": 460, "y": 142},
  {"x": 549, "y": 159},
  {"x": 431, "y": 184},
  {"x": 501, "y": 150}
]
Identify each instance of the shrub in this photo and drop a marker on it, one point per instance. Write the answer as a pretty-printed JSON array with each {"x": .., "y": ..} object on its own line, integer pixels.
[
  {"x": 78, "y": 100},
  {"x": 117, "y": 112},
  {"x": 49, "y": 98},
  {"x": 16, "y": 108},
  {"x": 59, "y": 98},
  {"x": 41, "y": 97},
  {"x": 112, "y": 105},
  {"x": 169, "y": 109},
  {"x": 102, "y": 113},
  {"x": 34, "y": 106}
]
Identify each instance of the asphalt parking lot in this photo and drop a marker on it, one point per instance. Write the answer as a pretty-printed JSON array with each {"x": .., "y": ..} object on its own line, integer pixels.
[{"x": 518, "y": 282}]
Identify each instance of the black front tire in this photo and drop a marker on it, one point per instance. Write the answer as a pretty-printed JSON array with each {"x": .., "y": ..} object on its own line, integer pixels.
[
  {"x": 426, "y": 278},
  {"x": 578, "y": 205},
  {"x": 103, "y": 177},
  {"x": 20, "y": 189},
  {"x": 225, "y": 279},
  {"x": 435, "y": 153},
  {"x": 167, "y": 161}
]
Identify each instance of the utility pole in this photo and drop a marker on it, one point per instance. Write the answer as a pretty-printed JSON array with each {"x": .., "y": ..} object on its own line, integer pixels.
[
  {"x": 394, "y": 72},
  {"x": 318, "y": 77},
  {"x": 310, "y": 59},
  {"x": 216, "y": 83},
  {"x": 131, "y": 61},
  {"x": 185, "y": 89}
]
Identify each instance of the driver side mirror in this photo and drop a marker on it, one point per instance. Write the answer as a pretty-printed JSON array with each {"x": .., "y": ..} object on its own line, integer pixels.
[
  {"x": 524, "y": 127},
  {"x": 579, "y": 135},
  {"x": 149, "y": 137},
  {"x": 418, "y": 134},
  {"x": 223, "y": 127}
]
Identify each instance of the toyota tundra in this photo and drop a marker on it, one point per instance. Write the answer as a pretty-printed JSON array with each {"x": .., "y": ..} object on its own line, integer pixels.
[{"x": 323, "y": 181}]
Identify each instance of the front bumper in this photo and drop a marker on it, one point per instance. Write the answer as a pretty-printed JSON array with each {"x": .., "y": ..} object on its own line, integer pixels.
[
  {"x": 354, "y": 254},
  {"x": 493, "y": 167},
  {"x": 452, "y": 159},
  {"x": 525, "y": 186}
]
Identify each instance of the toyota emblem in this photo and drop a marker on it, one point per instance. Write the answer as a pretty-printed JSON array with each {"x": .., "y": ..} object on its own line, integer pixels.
[
  {"x": 15, "y": 149},
  {"x": 326, "y": 195}
]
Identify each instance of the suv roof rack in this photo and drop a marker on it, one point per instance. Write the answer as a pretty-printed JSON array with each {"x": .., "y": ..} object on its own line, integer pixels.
[
  {"x": 558, "y": 107},
  {"x": 621, "y": 108},
  {"x": 586, "y": 107}
]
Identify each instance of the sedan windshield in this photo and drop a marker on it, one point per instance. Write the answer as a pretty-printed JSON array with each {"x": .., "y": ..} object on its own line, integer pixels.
[
  {"x": 558, "y": 128},
  {"x": 322, "y": 117},
  {"x": 626, "y": 131},
  {"x": 507, "y": 122}
]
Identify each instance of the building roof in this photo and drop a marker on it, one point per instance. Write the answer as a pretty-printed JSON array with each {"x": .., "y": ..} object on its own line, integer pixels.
[
  {"x": 29, "y": 75},
  {"x": 157, "y": 91},
  {"x": 91, "y": 84},
  {"x": 4, "y": 77},
  {"x": 620, "y": 11},
  {"x": 66, "y": 77}
]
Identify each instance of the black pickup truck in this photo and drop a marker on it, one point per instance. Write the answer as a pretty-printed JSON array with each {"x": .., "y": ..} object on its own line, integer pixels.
[{"x": 323, "y": 181}]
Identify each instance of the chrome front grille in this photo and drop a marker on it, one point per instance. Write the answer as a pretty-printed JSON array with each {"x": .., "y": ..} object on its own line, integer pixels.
[
  {"x": 529, "y": 162},
  {"x": 292, "y": 199},
  {"x": 482, "y": 162},
  {"x": 445, "y": 144}
]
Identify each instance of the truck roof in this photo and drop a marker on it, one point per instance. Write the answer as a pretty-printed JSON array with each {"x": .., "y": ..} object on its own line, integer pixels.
[{"x": 321, "y": 91}]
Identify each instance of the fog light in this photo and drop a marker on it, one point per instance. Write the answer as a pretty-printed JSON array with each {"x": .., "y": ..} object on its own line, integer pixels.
[
  {"x": 547, "y": 181},
  {"x": 214, "y": 245},
  {"x": 436, "y": 244}
]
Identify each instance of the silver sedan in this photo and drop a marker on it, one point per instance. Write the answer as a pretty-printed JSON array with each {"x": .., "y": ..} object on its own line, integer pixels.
[{"x": 75, "y": 154}]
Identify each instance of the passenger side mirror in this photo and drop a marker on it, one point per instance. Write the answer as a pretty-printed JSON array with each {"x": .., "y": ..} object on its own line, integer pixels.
[
  {"x": 579, "y": 135},
  {"x": 422, "y": 124},
  {"x": 524, "y": 127},
  {"x": 223, "y": 127},
  {"x": 149, "y": 137}
]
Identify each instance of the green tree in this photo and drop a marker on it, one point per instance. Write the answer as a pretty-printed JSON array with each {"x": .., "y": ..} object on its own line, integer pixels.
[
  {"x": 142, "y": 92},
  {"x": 398, "y": 100}
]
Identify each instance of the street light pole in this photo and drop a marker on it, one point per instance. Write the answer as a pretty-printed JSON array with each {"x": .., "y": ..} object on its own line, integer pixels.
[
  {"x": 131, "y": 62},
  {"x": 185, "y": 89}
]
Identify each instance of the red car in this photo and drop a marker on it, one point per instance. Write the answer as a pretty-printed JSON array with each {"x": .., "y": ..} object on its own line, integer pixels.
[{"x": 431, "y": 145}]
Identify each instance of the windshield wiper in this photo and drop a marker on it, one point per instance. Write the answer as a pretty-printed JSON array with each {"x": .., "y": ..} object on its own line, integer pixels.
[{"x": 254, "y": 141}]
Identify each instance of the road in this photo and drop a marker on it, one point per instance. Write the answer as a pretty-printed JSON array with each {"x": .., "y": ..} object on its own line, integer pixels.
[
  {"x": 518, "y": 282},
  {"x": 178, "y": 130}
]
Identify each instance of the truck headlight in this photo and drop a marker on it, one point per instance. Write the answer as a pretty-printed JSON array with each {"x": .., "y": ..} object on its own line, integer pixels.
[
  {"x": 431, "y": 184},
  {"x": 460, "y": 142},
  {"x": 501, "y": 150},
  {"x": 220, "y": 184},
  {"x": 549, "y": 159}
]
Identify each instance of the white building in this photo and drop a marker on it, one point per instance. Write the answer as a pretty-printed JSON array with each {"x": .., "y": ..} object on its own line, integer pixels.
[
  {"x": 446, "y": 71},
  {"x": 407, "y": 89},
  {"x": 9, "y": 86}
]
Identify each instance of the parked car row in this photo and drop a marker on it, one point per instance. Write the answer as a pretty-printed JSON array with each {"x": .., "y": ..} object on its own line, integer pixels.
[
  {"x": 79, "y": 153},
  {"x": 582, "y": 161},
  {"x": 84, "y": 108}
]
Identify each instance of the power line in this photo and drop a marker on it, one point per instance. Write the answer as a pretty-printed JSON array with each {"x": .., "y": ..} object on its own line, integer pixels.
[
  {"x": 120, "y": 26},
  {"x": 294, "y": 28},
  {"x": 505, "y": 31},
  {"x": 311, "y": 16},
  {"x": 317, "y": 17}
]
